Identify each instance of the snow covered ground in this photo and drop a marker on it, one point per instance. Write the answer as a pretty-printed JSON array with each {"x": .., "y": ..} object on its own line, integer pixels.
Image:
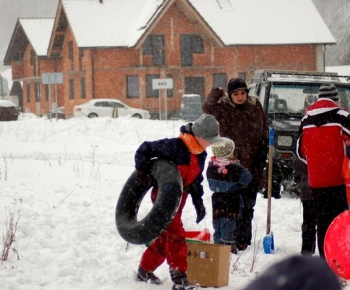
[{"x": 65, "y": 176}]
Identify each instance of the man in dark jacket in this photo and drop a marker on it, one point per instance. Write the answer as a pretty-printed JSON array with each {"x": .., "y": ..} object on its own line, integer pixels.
[
  {"x": 242, "y": 119},
  {"x": 321, "y": 146},
  {"x": 188, "y": 153}
]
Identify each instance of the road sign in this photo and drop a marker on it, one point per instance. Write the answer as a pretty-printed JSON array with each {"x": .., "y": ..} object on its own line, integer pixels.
[
  {"x": 52, "y": 78},
  {"x": 158, "y": 84}
]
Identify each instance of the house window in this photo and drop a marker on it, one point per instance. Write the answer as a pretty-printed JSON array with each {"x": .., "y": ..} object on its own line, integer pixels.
[
  {"x": 150, "y": 93},
  {"x": 154, "y": 45},
  {"x": 195, "y": 85},
  {"x": 37, "y": 92},
  {"x": 32, "y": 61},
  {"x": 70, "y": 54},
  {"x": 220, "y": 80},
  {"x": 47, "y": 92},
  {"x": 32, "y": 57},
  {"x": 83, "y": 88},
  {"x": 70, "y": 48},
  {"x": 132, "y": 83},
  {"x": 242, "y": 75},
  {"x": 71, "y": 89},
  {"x": 81, "y": 55},
  {"x": 28, "y": 93},
  {"x": 190, "y": 43},
  {"x": 170, "y": 92}
]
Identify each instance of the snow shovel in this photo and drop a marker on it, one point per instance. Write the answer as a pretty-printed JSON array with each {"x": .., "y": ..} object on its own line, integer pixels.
[{"x": 268, "y": 242}]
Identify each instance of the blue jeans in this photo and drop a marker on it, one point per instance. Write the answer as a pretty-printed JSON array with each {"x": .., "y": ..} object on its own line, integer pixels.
[{"x": 223, "y": 230}]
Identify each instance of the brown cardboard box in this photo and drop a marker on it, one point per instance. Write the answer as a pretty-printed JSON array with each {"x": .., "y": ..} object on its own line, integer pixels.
[{"x": 208, "y": 264}]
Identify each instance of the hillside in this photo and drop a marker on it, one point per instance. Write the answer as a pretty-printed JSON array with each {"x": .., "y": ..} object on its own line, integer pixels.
[{"x": 336, "y": 14}]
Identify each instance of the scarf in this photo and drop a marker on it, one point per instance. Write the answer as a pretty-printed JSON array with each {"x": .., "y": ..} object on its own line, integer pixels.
[{"x": 191, "y": 143}]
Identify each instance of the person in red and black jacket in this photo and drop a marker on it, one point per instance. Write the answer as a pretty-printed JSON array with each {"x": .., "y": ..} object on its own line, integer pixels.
[
  {"x": 323, "y": 131},
  {"x": 188, "y": 153}
]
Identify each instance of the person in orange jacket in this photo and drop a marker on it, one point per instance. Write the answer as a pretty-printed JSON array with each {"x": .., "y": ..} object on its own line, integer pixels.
[{"x": 188, "y": 153}]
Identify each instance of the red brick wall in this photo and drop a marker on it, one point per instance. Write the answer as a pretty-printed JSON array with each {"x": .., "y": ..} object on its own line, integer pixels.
[{"x": 105, "y": 70}]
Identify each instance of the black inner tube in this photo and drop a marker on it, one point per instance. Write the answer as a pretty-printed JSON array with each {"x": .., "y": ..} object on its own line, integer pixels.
[{"x": 168, "y": 180}]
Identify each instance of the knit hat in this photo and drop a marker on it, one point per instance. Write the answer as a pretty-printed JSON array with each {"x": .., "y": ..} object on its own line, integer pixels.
[
  {"x": 297, "y": 273},
  {"x": 224, "y": 148},
  {"x": 207, "y": 128},
  {"x": 235, "y": 85},
  {"x": 328, "y": 91}
]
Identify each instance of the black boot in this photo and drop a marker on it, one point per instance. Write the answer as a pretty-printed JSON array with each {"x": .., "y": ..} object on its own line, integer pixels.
[
  {"x": 180, "y": 280},
  {"x": 144, "y": 276}
]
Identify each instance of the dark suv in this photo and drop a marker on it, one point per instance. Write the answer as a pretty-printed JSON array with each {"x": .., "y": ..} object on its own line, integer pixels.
[{"x": 285, "y": 95}]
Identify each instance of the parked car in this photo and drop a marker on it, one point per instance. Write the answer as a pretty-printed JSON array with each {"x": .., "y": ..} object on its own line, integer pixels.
[
  {"x": 191, "y": 107},
  {"x": 60, "y": 114},
  {"x": 8, "y": 111},
  {"x": 285, "y": 95},
  {"x": 105, "y": 107}
]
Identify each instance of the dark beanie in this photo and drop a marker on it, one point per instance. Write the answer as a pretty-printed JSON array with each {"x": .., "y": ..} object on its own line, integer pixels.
[
  {"x": 235, "y": 85},
  {"x": 297, "y": 273},
  {"x": 328, "y": 91}
]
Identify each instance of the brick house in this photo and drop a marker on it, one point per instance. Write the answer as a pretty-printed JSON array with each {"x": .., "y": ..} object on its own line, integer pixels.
[{"x": 114, "y": 48}]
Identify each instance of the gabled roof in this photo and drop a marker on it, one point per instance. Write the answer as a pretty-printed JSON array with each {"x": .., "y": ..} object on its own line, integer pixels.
[
  {"x": 121, "y": 23},
  {"x": 110, "y": 23},
  {"x": 36, "y": 31},
  {"x": 259, "y": 22}
]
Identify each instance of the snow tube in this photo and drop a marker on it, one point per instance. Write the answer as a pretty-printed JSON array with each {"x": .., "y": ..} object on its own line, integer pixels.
[
  {"x": 169, "y": 183},
  {"x": 337, "y": 245}
]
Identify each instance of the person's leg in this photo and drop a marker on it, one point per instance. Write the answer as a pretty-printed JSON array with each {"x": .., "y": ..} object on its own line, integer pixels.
[
  {"x": 154, "y": 255},
  {"x": 216, "y": 234},
  {"x": 308, "y": 228},
  {"x": 243, "y": 232},
  {"x": 329, "y": 203},
  {"x": 216, "y": 218},
  {"x": 227, "y": 228},
  {"x": 175, "y": 247}
]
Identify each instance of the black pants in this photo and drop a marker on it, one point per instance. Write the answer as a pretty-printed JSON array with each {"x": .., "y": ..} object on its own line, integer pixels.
[
  {"x": 329, "y": 203},
  {"x": 243, "y": 233},
  {"x": 308, "y": 228}
]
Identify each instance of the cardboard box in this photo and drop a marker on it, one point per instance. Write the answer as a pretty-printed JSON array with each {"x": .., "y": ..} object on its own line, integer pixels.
[{"x": 208, "y": 264}]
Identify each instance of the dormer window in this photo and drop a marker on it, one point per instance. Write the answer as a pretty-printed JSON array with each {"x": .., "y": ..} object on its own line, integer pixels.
[
  {"x": 154, "y": 45},
  {"x": 190, "y": 43}
]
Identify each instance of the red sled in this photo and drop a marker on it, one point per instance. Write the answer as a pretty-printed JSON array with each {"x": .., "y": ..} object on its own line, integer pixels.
[{"x": 200, "y": 236}]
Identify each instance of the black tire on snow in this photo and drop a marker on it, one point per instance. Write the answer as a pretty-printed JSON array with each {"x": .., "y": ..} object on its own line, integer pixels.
[{"x": 169, "y": 184}]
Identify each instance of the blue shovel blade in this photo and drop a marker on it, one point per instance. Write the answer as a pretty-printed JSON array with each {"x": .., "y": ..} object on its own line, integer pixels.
[{"x": 268, "y": 243}]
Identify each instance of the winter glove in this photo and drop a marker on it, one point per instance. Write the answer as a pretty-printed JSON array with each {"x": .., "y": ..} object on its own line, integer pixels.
[
  {"x": 196, "y": 191},
  {"x": 216, "y": 94},
  {"x": 200, "y": 209},
  {"x": 261, "y": 156}
]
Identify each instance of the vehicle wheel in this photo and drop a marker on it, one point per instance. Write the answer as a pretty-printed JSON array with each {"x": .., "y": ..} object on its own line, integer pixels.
[
  {"x": 163, "y": 210},
  {"x": 92, "y": 115},
  {"x": 138, "y": 116}
]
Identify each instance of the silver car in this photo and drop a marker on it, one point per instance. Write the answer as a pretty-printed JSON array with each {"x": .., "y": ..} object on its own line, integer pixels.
[{"x": 105, "y": 108}]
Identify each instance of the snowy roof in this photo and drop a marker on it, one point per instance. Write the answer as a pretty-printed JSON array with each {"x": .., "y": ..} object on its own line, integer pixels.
[
  {"x": 343, "y": 70},
  {"x": 38, "y": 32},
  {"x": 265, "y": 21},
  {"x": 236, "y": 22},
  {"x": 111, "y": 23}
]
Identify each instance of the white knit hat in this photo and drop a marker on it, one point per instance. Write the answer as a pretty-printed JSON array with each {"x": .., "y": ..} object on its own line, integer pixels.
[{"x": 223, "y": 148}]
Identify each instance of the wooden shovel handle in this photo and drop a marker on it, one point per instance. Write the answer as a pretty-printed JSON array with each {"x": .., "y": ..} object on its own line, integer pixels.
[{"x": 269, "y": 190}]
